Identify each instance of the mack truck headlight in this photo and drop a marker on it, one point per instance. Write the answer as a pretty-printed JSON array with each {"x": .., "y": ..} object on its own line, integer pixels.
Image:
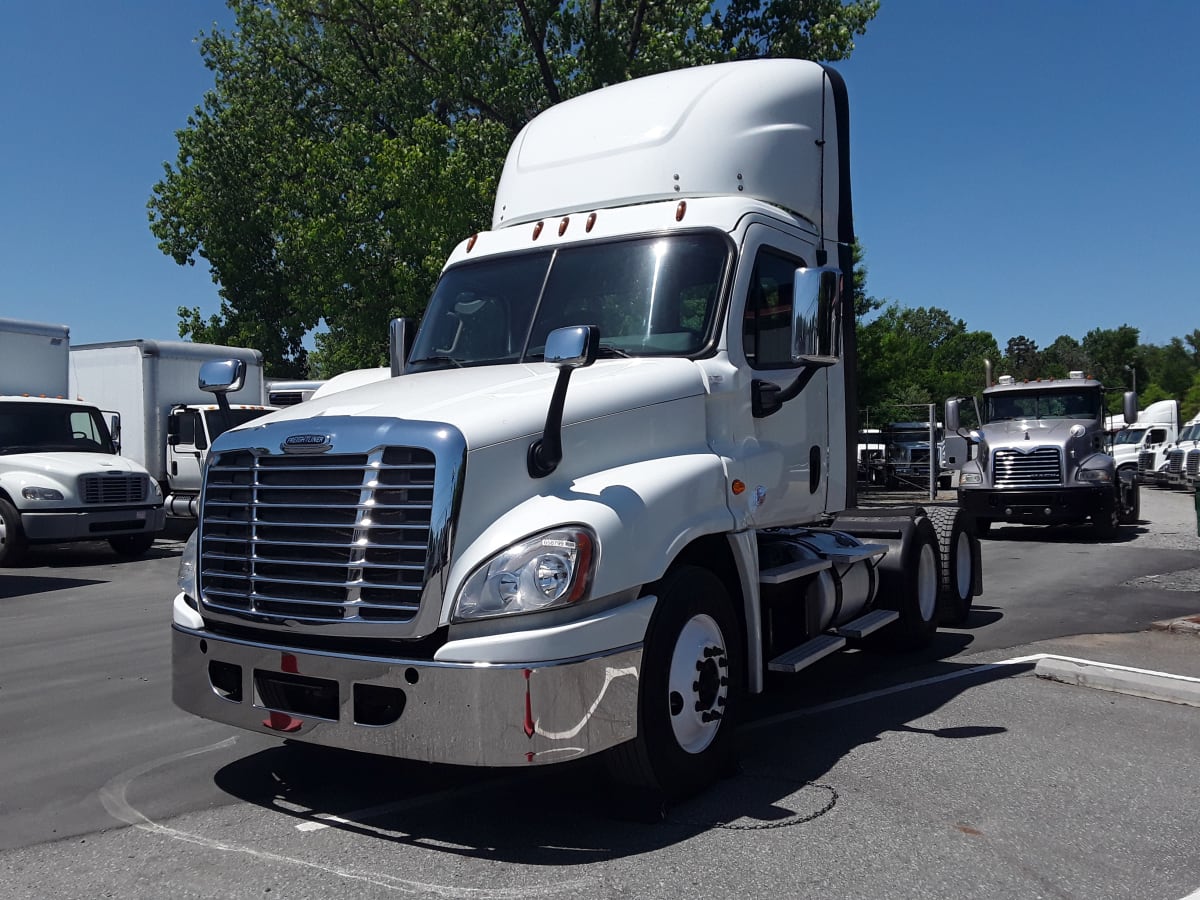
[
  {"x": 1094, "y": 475},
  {"x": 33, "y": 492},
  {"x": 548, "y": 570}
]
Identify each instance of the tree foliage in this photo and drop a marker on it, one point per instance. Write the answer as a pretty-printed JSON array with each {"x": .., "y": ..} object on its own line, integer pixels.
[{"x": 346, "y": 145}]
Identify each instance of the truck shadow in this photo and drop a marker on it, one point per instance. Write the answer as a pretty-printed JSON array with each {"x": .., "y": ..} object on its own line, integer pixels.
[
  {"x": 570, "y": 814},
  {"x": 13, "y": 587},
  {"x": 1063, "y": 534}
]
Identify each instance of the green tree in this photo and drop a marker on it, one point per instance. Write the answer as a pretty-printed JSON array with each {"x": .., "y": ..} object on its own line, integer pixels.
[
  {"x": 346, "y": 145},
  {"x": 1063, "y": 356},
  {"x": 1022, "y": 360}
]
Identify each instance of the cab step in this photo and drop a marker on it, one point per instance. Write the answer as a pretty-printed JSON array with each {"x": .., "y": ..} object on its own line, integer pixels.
[
  {"x": 807, "y": 653},
  {"x": 868, "y": 624}
]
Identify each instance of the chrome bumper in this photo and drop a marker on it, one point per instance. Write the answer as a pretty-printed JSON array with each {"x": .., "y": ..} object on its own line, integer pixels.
[
  {"x": 91, "y": 524},
  {"x": 457, "y": 713}
]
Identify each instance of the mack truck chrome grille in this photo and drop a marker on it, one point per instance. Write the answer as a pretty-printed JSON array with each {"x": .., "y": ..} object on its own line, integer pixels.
[
  {"x": 114, "y": 487},
  {"x": 1175, "y": 462},
  {"x": 1146, "y": 462},
  {"x": 317, "y": 538},
  {"x": 1038, "y": 468}
]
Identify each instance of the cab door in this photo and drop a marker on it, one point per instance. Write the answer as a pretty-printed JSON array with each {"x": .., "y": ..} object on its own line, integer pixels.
[
  {"x": 185, "y": 449},
  {"x": 784, "y": 457}
]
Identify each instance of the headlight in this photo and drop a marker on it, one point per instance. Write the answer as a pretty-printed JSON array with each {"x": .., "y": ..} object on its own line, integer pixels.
[
  {"x": 548, "y": 570},
  {"x": 1094, "y": 475},
  {"x": 155, "y": 490},
  {"x": 187, "y": 566},
  {"x": 41, "y": 493},
  {"x": 970, "y": 478}
]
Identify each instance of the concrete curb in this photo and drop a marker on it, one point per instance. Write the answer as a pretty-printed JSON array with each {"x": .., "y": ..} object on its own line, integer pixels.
[
  {"x": 1184, "y": 625},
  {"x": 1120, "y": 679}
]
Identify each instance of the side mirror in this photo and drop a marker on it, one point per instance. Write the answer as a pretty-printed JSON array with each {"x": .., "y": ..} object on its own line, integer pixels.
[
  {"x": 569, "y": 349},
  {"x": 815, "y": 331},
  {"x": 1129, "y": 407},
  {"x": 401, "y": 334},
  {"x": 222, "y": 376},
  {"x": 952, "y": 418},
  {"x": 114, "y": 431}
]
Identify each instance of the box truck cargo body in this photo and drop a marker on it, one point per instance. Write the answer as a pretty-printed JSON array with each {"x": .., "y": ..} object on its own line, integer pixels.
[{"x": 167, "y": 422}]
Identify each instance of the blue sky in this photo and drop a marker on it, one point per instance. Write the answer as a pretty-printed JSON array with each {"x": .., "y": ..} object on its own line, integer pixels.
[{"x": 1031, "y": 167}]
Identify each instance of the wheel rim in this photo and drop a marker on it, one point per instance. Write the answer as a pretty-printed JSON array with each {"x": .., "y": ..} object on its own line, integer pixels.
[
  {"x": 927, "y": 583},
  {"x": 698, "y": 685},
  {"x": 962, "y": 565}
]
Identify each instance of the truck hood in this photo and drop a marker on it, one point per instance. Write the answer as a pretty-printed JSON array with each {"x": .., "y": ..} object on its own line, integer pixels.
[
  {"x": 491, "y": 404},
  {"x": 1039, "y": 431},
  {"x": 67, "y": 464}
]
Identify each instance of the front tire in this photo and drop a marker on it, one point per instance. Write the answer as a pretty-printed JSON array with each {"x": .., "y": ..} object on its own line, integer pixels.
[
  {"x": 12, "y": 537},
  {"x": 690, "y": 689}
]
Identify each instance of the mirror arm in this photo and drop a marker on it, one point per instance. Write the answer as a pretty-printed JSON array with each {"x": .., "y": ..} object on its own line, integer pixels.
[
  {"x": 768, "y": 398},
  {"x": 546, "y": 452}
]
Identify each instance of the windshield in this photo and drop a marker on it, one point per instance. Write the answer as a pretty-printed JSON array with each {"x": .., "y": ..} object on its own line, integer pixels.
[
  {"x": 48, "y": 427},
  {"x": 652, "y": 296},
  {"x": 1130, "y": 436},
  {"x": 1190, "y": 433},
  {"x": 1059, "y": 404}
]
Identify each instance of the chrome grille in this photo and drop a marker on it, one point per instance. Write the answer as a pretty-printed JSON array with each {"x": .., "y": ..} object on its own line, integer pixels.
[
  {"x": 1193, "y": 463},
  {"x": 1175, "y": 462},
  {"x": 1038, "y": 468},
  {"x": 1146, "y": 462},
  {"x": 336, "y": 538},
  {"x": 114, "y": 487}
]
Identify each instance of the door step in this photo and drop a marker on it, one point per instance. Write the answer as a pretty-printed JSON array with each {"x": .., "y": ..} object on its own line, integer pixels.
[
  {"x": 807, "y": 653},
  {"x": 868, "y": 624}
]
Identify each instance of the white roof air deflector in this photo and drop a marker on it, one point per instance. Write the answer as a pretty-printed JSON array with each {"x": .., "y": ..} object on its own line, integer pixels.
[{"x": 752, "y": 129}]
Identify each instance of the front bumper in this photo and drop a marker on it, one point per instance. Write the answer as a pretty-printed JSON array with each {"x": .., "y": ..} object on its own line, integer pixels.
[
  {"x": 1038, "y": 506},
  {"x": 457, "y": 713},
  {"x": 91, "y": 524}
]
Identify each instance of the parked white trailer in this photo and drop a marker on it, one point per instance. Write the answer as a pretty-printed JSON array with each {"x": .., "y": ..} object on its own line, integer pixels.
[
  {"x": 167, "y": 422},
  {"x": 60, "y": 476},
  {"x": 611, "y": 486}
]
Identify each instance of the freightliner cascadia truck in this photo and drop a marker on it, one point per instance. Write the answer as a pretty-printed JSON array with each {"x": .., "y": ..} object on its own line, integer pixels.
[{"x": 611, "y": 489}]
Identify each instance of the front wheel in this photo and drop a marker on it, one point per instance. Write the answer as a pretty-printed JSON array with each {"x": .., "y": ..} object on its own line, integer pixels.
[
  {"x": 690, "y": 689},
  {"x": 12, "y": 536}
]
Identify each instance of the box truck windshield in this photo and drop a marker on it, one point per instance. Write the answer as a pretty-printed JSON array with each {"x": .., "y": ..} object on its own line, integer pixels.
[{"x": 51, "y": 427}]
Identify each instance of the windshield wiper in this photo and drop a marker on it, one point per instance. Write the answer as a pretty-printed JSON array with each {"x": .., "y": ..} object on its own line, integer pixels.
[
  {"x": 436, "y": 359},
  {"x": 610, "y": 350}
]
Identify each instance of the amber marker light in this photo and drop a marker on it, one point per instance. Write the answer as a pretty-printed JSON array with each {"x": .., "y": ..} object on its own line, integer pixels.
[
  {"x": 471, "y": 242},
  {"x": 680, "y": 210},
  {"x": 739, "y": 487},
  {"x": 591, "y": 222},
  {"x": 562, "y": 226},
  {"x": 537, "y": 230}
]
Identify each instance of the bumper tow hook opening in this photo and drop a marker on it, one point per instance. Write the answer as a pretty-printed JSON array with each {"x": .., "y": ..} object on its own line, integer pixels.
[{"x": 377, "y": 705}]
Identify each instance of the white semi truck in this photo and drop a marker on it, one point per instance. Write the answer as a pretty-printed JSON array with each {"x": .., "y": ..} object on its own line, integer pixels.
[
  {"x": 60, "y": 476},
  {"x": 1182, "y": 466},
  {"x": 1040, "y": 457},
  {"x": 167, "y": 422},
  {"x": 611, "y": 488},
  {"x": 1142, "y": 445}
]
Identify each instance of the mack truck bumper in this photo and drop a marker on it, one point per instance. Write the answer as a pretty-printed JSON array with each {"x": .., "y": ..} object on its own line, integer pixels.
[
  {"x": 516, "y": 714},
  {"x": 1039, "y": 507},
  {"x": 91, "y": 524}
]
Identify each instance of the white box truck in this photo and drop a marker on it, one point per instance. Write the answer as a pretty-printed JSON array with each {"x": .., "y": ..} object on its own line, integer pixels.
[
  {"x": 613, "y": 485},
  {"x": 167, "y": 422},
  {"x": 60, "y": 476}
]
